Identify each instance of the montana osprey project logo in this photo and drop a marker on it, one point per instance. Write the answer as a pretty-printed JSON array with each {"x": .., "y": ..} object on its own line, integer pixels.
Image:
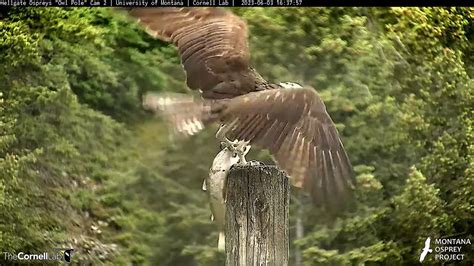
[
  {"x": 446, "y": 249},
  {"x": 426, "y": 249}
]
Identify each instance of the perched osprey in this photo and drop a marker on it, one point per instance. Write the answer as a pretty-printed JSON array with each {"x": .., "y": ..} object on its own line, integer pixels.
[{"x": 287, "y": 119}]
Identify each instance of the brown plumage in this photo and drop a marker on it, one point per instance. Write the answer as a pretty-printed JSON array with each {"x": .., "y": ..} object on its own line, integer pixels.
[
  {"x": 213, "y": 46},
  {"x": 292, "y": 123}
]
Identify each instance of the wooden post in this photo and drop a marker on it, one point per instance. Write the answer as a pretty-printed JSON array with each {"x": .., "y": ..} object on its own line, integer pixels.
[{"x": 256, "y": 217}]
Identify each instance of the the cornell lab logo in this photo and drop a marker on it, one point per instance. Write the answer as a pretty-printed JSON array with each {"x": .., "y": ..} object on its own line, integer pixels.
[
  {"x": 68, "y": 254},
  {"x": 59, "y": 254},
  {"x": 446, "y": 249}
]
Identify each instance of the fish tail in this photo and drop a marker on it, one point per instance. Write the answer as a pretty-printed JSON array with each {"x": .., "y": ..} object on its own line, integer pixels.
[{"x": 221, "y": 242}]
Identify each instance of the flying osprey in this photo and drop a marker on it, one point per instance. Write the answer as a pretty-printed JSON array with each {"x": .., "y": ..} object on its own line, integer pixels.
[
  {"x": 426, "y": 249},
  {"x": 287, "y": 119}
]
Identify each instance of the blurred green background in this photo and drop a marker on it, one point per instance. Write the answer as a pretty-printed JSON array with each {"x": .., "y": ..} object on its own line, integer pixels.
[{"x": 82, "y": 164}]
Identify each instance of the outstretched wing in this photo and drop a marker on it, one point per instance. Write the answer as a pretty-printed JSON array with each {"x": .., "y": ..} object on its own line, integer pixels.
[
  {"x": 423, "y": 255},
  {"x": 295, "y": 126},
  {"x": 212, "y": 43},
  {"x": 427, "y": 242}
]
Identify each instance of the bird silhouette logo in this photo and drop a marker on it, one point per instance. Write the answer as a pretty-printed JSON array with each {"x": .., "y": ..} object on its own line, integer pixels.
[
  {"x": 68, "y": 254},
  {"x": 425, "y": 250}
]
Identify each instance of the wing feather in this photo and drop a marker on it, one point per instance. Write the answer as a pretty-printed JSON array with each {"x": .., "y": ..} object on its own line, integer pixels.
[
  {"x": 292, "y": 123},
  {"x": 212, "y": 44},
  {"x": 295, "y": 126},
  {"x": 244, "y": 125}
]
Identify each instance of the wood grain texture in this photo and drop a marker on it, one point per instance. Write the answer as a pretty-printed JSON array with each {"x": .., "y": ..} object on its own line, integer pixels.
[{"x": 257, "y": 216}]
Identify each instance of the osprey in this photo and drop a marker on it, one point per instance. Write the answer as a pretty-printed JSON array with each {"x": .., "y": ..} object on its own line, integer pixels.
[
  {"x": 426, "y": 249},
  {"x": 289, "y": 120}
]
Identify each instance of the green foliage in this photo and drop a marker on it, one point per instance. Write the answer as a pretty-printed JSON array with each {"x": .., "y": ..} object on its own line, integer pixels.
[
  {"x": 81, "y": 164},
  {"x": 397, "y": 80},
  {"x": 108, "y": 61},
  {"x": 55, "y": 149}
]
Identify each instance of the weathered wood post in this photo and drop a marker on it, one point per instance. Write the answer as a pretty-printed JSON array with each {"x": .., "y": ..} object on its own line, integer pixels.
[{"x": 256, "y": 217}]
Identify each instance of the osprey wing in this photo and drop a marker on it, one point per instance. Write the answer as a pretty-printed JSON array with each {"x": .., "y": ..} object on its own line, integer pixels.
[
  {"x": 212, "y": 44},
  {"x": 295, "y": 126},
  {"x": 427, "y": 242}
]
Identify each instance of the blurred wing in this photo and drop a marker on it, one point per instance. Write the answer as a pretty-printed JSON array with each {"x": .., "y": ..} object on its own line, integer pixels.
[
  {"x": 295, "y": 126},
  {"x": 212, "y": 43},
  {"x": 182, "y": 111}
]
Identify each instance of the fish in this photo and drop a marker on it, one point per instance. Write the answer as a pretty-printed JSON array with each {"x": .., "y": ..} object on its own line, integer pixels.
[{"x": 214, "y": 185}]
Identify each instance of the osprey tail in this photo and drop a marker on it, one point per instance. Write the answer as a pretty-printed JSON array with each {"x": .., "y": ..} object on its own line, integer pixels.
[{"x": 187, "y": 114}]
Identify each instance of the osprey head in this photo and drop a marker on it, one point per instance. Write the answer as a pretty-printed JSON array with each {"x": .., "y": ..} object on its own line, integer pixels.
[{"x": 290, "y": 85}]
